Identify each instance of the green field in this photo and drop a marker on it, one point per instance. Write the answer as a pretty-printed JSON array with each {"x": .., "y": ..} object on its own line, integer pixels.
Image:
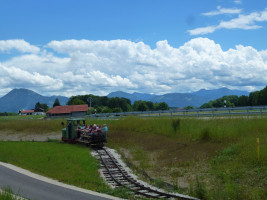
[{"x": 206, "y": 158}]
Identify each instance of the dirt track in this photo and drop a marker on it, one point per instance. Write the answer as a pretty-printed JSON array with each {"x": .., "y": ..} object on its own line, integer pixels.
[{"x": 9, "y": 136}]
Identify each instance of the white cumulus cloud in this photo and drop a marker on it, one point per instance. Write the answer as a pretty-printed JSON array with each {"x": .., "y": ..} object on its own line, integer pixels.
[
  {"x": 245, "y": 22},
  {"x": 19, "y": 45},
  {"x": 101, "y": 67},
  {"x": 221, "y": 11}
]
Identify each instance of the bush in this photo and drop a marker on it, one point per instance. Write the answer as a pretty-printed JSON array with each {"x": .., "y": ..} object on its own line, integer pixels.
[
  {"x": 176, "y": 125},
  {"x": 205, "y": 135}
]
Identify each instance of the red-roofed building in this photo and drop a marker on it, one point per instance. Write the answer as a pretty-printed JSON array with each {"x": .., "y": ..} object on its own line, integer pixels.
[
  {"x": 39, "y": 111},
  {"x": 26, "y": 112},
  {"x": 68, "y": 111}
]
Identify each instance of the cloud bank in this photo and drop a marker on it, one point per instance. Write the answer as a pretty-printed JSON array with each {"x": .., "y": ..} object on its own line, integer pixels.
[{"x": 72, "y": 67}]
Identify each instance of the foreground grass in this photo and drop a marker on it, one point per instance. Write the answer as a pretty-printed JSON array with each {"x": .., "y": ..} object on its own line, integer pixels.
[
  {"x": 7, "y": 194},
  {"x": 71, "y": 164}
]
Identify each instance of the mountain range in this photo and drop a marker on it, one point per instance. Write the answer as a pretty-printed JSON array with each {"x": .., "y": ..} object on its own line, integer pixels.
[
  {"x": 24, "y": 99},
  {"x": 181, "y": 100}
]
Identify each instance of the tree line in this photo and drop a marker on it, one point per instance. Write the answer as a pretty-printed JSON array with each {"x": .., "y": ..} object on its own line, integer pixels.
[
  {"x": 43, "y": 107},
  {"x": 257, "y": 98},
  {"x": 104, "y": 104}
]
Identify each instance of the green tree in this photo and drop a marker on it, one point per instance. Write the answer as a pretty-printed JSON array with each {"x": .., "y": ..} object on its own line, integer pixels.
[
  {"x": 161, "y": 106},
  {"x": 41, "y": 106},
  {"x": 77, "y": 101},
  {"x": 37, "y": 106},
  {"x": 45, "y": 107},
  {"x": 254, "y": 98},
  {"x": 117, "y": 110},
  {"x": 243, "y": 101},
  {"x": 140, "y": 106},
  {"x": 56, "y": 103},
  {"x": 262, "y": 99},
  {"x": 207, "y": 105},
  {"x": 189, "y": 107},
  {"x": 150, "y": 105},
  {"x": 106, "y": 110}
]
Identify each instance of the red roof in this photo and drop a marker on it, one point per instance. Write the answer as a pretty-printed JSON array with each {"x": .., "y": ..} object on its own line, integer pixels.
[
  {"x": 26, "y": 111},
  {"x": 68, "y": 109}
]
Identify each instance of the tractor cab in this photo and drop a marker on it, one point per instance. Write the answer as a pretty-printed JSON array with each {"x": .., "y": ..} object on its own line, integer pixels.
[{"x": 69, "y": 133}]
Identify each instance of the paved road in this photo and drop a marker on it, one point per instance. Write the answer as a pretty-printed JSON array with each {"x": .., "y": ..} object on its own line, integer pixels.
[{"x": 35, "y": 189}]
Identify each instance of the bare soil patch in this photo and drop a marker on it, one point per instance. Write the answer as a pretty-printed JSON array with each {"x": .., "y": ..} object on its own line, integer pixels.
[{"x": 11, "y": 136}]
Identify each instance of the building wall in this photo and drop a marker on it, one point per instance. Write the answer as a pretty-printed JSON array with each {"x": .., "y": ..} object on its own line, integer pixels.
[
  {"x": 78, "y": 114},
  {"x": 73, "y": 114}
]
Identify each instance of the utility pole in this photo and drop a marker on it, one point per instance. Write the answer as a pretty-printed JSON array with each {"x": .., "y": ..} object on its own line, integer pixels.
[{"x": 90, "y": 100}]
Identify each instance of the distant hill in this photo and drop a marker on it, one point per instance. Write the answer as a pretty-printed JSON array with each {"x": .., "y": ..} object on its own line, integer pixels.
[
  {"x": 218, "y": 93},
  {"x": 181, "y": 100},
  {"x": 25, "y": 99}
]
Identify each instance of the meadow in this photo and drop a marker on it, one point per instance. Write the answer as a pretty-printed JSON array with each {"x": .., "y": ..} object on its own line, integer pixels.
[{"x": 209, "y": 158}]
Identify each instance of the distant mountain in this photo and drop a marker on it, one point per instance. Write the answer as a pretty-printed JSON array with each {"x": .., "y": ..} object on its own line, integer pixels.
[
  {"x": 133, "y": 97},
  {"x": 126, "y": 95},
  {"x": 181, "y": 100},
  {"x": 218, "y": 93},
  {"x": 144, "y": 96},
  {"x": 25, "y": 99}
]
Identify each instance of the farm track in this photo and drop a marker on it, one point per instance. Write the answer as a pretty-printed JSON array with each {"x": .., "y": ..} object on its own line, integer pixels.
[{"x": 117, "y": 176}]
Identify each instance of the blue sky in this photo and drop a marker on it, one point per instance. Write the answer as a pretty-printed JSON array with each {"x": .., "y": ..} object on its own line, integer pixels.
[{"x": 153, "y": 46}]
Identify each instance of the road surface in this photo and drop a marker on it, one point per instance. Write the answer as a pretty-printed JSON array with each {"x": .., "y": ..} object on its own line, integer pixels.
[{"x": 36, "y": 187}]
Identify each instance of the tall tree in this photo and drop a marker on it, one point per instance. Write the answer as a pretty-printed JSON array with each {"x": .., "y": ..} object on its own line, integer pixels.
[
  {"x": 263, "y": 97},
  {"x": 161, "y": 106},
  {"x": 254, "y": 98},
  {"x": 56, "y": 103},
  {"x": 37, "y": 106},
  {"x": 243, "y": 101}
]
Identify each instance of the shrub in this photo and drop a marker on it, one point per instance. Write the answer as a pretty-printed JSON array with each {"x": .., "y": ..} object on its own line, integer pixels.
[
  {"x": 176, "y": 125},
  {"x": 205, "y": 135}
]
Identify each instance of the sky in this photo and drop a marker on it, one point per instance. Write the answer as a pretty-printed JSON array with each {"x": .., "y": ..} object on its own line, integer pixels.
[{"x": 76, "y": 47}]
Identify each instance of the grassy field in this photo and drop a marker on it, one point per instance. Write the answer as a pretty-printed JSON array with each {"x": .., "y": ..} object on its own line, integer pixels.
[
  {"x": 207, "y": 158},
  {"x": 210, "y": 159}
]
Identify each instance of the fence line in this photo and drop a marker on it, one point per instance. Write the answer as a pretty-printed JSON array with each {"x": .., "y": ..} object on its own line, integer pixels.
[{"x": 206, "y": 112}]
